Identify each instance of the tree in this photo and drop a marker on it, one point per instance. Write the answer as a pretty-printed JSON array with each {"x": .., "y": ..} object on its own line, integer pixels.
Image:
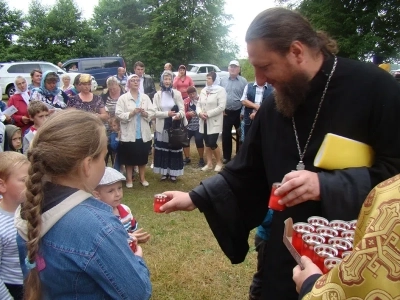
[
  {"x": 11, "y": 24},
  {"x": 157, "y": 31},
  {"x": 57, "y": 33},
  {"x": 362, "y": 28}
]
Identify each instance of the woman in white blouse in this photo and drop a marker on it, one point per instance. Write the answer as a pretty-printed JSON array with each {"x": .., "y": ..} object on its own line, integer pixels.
[
  {"x": 210, "y": 109},
  {"x": 135, "y": 111},
  {"x": 169, "y": 112}
]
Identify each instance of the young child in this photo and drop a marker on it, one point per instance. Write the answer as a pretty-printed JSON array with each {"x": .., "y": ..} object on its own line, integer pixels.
[
  {"x": 38, "y": 113},
  {"x": 13, "y": 173},
  {"x": 13, "y": 138},
  {"x": 70, "y": 244},
  {"x": 110, "y": 191},
  {"x": 115, "y": 135}
]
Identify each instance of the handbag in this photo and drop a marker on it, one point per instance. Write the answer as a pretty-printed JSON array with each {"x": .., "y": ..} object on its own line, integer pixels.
[{"x": 178, "y": 137}]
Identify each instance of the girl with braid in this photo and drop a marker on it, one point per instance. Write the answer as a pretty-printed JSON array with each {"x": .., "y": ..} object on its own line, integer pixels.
[{"x": 67, "y": 239}]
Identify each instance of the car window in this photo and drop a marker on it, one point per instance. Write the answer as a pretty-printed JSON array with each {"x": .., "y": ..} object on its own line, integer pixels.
[
  {"x": 194, "y": 69},
  {"x": 110, "y": 63},
  {"x": 72, "y": 65},
  {"x": 202, "y": 70},
  {"x": 91, "y": 64},
  {"x": 47, "y": 67},
  {"x": 23, "y": 68},
  {"x": 211, "y": 69}
]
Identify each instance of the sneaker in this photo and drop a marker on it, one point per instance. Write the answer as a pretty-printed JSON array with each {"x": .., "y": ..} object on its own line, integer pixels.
[
  {"x": 164, "y": 177},
  {"x": 186, "y": 161},
  {"x": 129, "y": 185},
  {"x": 201, "y": 163},
  {"x": 173, "y": 178}
]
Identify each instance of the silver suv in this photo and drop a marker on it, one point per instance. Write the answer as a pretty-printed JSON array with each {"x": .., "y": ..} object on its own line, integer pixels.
[{"x": 10, "y": 70}]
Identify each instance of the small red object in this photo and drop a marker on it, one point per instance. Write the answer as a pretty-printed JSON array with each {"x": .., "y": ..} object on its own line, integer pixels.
[
  {"x": 310, "y": 240},
  {"x": 299, "y": 229},
  {"x": 330, "y": 263},
  {"x": 132, "y": 244},
  {"x": 159, "y": 200},
  {"x": 273, "y": 200}
]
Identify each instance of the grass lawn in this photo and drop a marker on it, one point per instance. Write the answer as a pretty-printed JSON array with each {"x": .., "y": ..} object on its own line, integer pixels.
[{"x": 183, "y": 256}]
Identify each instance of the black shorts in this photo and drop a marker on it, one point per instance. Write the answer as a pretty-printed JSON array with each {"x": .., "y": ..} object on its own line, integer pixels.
[{"x": 210, "y": 139}]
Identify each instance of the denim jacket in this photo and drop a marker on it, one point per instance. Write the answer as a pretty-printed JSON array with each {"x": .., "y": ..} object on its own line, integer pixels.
[{"x": 86, "y": 254}]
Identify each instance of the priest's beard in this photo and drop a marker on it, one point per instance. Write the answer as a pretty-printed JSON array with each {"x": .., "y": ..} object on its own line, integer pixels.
[{"x": 291, "y": 94}]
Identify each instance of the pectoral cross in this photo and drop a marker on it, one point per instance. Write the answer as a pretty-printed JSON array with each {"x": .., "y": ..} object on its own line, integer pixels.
[{"x": 300, "y": 166}]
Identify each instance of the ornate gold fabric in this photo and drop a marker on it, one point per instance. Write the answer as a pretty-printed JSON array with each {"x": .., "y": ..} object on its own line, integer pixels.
[{"x": 372, "y": 270}]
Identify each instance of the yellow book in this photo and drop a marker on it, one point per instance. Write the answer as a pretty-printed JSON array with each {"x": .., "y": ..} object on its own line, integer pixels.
[{"x": 338, "y": 152}]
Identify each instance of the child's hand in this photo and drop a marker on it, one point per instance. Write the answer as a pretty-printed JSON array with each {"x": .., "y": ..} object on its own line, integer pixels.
[
  {"x": 139, "y": 251},
  {"x": 141, "y": 236}
]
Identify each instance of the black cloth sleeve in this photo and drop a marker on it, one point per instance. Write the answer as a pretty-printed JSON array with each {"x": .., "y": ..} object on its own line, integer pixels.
[
  {"x": 308, "y": 285},
  {"x": 343, "y": 192}
]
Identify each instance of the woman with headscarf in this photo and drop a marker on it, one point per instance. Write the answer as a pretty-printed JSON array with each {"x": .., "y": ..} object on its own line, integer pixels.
[
  {"x": 210, "y": 109},
  {"x": 135, "y": 110},
  {"x": 169, "y": 112},
  {"x": 182, "y": 81},
  {"x": 20, "y": 100},
  {"x": 86, "y": 100},
  {"x": 49, "y": 92}
]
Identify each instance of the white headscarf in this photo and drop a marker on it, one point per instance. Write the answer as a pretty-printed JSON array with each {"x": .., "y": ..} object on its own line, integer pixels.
[{"x": 25, "y": 94}]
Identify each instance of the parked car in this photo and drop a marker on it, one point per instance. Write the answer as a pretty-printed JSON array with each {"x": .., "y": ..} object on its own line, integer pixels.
[
  {"x": 10, "y": 70},
  {"x": 198, "y": 72},
  {"x": 99, "y": 67}
]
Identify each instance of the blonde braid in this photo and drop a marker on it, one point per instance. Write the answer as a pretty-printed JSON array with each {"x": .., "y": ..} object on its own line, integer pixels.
[{"x": 31, "y": 212}]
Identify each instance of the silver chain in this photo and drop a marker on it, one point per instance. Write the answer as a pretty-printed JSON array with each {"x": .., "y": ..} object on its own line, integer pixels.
[{"x": 316, "y": 116}]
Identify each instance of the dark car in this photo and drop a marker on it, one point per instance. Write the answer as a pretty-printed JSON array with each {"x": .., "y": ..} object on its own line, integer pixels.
[{"x": 99, "y": 67}]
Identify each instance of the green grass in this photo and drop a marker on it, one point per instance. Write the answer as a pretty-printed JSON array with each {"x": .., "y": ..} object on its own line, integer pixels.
[{"x": 182, "y": 254}]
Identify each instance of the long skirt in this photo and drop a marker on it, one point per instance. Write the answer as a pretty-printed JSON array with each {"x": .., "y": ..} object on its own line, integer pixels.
[
  {"x": 166, "y": 160},
  {"x": 134, "y": 153}
]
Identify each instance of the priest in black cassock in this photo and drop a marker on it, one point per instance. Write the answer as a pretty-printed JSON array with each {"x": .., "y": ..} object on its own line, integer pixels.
[{"x": 316, "y": 93}]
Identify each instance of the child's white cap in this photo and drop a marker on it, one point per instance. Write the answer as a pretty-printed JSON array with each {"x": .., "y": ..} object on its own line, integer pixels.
[{"x": 111, "y": 176}]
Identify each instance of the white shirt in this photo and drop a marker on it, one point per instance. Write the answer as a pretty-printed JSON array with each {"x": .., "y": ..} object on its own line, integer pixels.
[
  {"x": 259, "y": 93},
  {"x": 141, "y": 89}
]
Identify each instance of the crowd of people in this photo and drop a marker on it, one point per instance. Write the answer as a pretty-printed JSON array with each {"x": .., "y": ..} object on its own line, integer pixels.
[
  {"x": 142, "y": 116},
  {"x": 55, "y": 143}
]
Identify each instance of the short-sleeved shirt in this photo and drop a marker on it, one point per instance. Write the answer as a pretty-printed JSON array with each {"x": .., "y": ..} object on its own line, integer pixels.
[
  {"x": 234, "y": 90},
  {"x": 91, "y": 106}
]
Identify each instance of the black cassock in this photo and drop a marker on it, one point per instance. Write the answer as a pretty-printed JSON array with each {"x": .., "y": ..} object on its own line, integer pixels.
[{"x": 362, "y": 103}]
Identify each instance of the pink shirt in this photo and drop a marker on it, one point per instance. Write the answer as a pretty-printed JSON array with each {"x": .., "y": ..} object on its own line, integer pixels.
[{"x": 182, "y": 85}]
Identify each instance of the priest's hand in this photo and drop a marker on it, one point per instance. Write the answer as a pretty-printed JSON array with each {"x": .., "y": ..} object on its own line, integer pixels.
[
  {"x": 178, "y": 201},
  {"x": 299, "y": 275},
  {"x": 298, "y": 187}
]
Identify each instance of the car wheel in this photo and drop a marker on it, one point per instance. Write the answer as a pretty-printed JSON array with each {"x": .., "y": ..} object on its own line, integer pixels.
[{"x": 10, "y": 91}]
